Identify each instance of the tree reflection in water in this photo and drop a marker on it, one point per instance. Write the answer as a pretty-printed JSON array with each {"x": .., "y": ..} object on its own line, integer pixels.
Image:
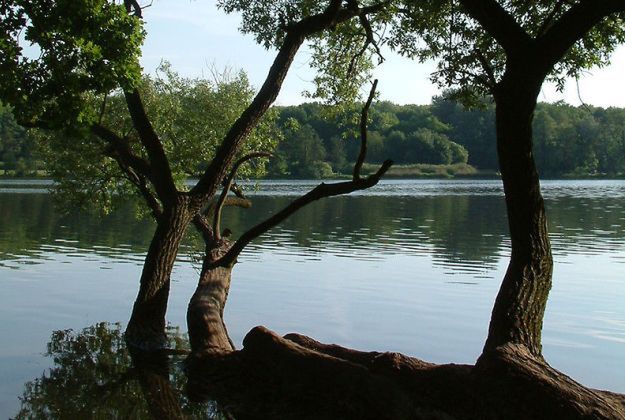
[{"x": 95, "y": 376}]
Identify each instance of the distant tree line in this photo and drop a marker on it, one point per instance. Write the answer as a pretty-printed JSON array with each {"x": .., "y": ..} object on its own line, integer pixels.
[
  {"x": 569, "y": 141},
  {"x": 318, "y": 143},
  {"x": 17, "y": 147}
]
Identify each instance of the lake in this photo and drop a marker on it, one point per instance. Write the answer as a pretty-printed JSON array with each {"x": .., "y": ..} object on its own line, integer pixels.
[{"x": 408, "y": 266}]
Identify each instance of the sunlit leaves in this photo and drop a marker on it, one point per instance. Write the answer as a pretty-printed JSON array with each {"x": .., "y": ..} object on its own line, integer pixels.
[{"x": 191, "y": 117}]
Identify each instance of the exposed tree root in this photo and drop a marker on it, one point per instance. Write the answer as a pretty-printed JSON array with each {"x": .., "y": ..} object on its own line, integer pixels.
[{"x": 297, "y": 377}]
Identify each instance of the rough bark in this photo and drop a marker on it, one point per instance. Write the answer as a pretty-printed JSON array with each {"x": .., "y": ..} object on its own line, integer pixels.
[
  {"x": 146, "y": 328},
  {"x": 207, "y": 330},
  {"x": 520, "y": 305},
  {"x": 296, "y": 377}
]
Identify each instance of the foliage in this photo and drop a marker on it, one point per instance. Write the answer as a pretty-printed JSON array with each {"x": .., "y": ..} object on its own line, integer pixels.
[
  {"x": 191, "y": 116},
  {"x": 17, "y": 148},
  {"x": 57, "y": 53},
  {"x": 569, "y": 141},
  {"x": 406, "y": 134},
  {"x": 343, "y": 56},
  {"x": 442, "y": 30}
]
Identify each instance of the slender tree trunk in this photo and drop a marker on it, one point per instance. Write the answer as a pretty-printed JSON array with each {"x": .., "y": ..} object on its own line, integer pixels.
[
  {"x": 207, "y": 330},
  {"x": 520, "y": 305},
  {"x": 146, "y": 328}
]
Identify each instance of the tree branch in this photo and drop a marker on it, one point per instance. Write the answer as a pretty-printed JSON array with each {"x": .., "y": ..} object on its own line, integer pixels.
[
  {"x": 204, "y": 227},
  {"x": 491, "y": 81},
  {"x": 369, "y": 38},
  {"x": 119, "y": 146},
  {"x": 228, "y": 187},
  {"x": 162, "y": 177},
  {"x": 500, "y": 24},
  {"x": 574, "y": 24},
  {"x": 363, "y": 132},
  {"x": 549, "y": 19},
  {"x": 321, "y": 191},
  {"x": 296, "y": 33},
  {"x": 136, "y": 169}
]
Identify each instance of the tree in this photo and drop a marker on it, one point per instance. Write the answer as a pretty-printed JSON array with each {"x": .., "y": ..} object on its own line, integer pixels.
[
  {"x": 90, "y": 48},
  {"x": 191, "y": 117},
  {"x": 506, "y": 49}
]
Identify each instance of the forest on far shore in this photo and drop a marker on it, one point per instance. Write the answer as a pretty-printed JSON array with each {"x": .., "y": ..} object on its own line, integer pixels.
[{"x": 441, "y": 139}]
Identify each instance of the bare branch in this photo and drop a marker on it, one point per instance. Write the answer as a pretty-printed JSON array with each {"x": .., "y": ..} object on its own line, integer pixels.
[
  {"x": 228, "y": 187},
  {"x": 363, "y": 132},
  {"x": 369, "y": 38},
  {"x": 321, "y": 191}
]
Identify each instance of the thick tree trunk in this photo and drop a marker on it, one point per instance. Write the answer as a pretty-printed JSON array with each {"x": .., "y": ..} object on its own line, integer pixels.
[
  {"x": 207, "y": 330},
  {"x": 520, "y": 305},
  {"x": 146, "y": 328}
]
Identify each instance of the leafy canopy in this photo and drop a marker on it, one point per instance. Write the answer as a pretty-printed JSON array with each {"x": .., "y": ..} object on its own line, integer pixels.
[
  {"x": 56, "y": 51},
  {"x": 343, "y": 56},
  {"x": 443, "y": 30},
  {"x": 191, "y": 116}
]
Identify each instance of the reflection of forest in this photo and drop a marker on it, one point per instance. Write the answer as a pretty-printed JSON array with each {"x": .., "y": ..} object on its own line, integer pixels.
[
  {"x": 95, "y": 377},
  {"x": 458, "y": 230}
]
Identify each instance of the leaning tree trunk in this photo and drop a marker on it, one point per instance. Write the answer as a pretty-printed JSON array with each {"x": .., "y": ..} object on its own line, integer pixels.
[
  {"x": 146, "y": 328},
  {"x": 520, "y": 305},
  {"x": 205, "y": 313}
]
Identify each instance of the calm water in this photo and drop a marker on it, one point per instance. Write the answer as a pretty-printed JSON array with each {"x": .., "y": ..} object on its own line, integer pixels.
[{"x": 409, "y": 266}]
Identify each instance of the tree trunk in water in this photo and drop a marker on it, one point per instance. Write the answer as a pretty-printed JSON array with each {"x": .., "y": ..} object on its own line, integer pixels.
[
  {"x": 207, "y": 330},
  {"x": 146, "y": 328},
  {"x": 520, "y": 305}
]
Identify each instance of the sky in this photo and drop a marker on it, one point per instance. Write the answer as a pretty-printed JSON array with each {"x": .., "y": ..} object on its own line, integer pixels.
[{"x": 195, "y": 36}]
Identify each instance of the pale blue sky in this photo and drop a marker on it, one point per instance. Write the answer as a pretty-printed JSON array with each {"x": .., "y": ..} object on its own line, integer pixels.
[{"x": 194, "y": 35}]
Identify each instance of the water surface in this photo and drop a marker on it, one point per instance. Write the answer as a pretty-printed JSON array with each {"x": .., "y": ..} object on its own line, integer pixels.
[{"x": 409, "y": 266}]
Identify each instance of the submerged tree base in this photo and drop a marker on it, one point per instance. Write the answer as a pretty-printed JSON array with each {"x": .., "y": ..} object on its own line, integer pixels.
[{"x": 297, "y": 377}]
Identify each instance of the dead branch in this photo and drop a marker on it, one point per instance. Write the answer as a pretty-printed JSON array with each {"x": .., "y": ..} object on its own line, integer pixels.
[
  {"x": 323, "y": 190},
  {"x": 228, "y": 187},
  {"x": 363, "y": 132}
]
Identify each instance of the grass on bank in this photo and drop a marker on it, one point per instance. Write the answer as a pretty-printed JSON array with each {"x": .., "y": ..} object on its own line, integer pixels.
[{"x": 426, "y": 170}]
